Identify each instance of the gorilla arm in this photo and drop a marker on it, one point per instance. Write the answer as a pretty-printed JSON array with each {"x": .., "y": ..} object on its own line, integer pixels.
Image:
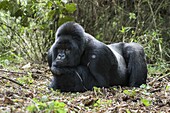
[
  {"x": 105, "y": 66},
  {"x": 73, "y": 79}
]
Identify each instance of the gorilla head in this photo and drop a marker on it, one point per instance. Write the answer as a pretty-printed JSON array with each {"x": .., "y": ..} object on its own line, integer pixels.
[{"x": 69, "y": 45}]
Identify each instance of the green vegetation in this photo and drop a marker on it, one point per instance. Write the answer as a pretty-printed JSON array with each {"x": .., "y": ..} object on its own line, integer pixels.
[
  {"x": 28, "y": 27},
  {"x": 27, "y": 30},
  {"x": 51, "y": 106}
]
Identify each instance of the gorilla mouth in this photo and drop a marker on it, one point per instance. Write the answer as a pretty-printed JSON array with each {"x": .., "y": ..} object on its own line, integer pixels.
[{"x": 59, "y": 61}]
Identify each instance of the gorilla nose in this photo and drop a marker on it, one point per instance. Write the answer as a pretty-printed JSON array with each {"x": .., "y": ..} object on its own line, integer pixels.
[{"x": 61, "y": 56}]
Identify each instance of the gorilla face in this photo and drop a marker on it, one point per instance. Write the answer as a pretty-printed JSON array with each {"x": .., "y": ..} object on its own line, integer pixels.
[{"x": 66, "y": 51}]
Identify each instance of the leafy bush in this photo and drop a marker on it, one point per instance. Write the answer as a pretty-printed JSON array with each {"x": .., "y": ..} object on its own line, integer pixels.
[{"x": 28, "y": 27}]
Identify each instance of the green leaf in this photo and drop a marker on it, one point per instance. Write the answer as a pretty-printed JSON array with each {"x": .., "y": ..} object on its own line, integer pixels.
[
  {"x": 57, "y": 106},
  {"x": 125, "y": 29},
  {"x": 130, "y": 92},
  {"x": 42, "y": 105},
  {"x": 146, "y": 102},
  {"x": 97, "y": 103},
  {"x": 49, "y": 4},
  {"x": 132, "y": 16},
  {"x": 145, "y": 86},
  {"x": 25, "y": 79},
  {"x": 31, "y": 108},
  {"x": 128, "y": 111},
  {"x": 168, "y": 87},
  {"x": 97, "y": 89},
  {"x": 70, "y": 7}
]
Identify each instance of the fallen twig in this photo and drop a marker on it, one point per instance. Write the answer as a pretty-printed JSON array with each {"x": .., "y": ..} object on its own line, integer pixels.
[
  {"x": 158, "y": 78},
  {"x": 74, "y": 106},
  {"x": 14, "y": 81},
  {"x": 23, "y": 73}
]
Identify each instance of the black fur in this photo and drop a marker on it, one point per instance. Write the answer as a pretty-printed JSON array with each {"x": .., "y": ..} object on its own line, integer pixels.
[{"x": 90, "y": 62}]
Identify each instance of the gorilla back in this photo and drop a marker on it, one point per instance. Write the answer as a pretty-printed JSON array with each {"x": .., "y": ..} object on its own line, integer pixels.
[{"x": 79, "y": 62}]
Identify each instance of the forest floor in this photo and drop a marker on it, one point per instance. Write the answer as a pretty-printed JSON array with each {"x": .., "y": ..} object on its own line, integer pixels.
[{"x": 24, "y": 89}]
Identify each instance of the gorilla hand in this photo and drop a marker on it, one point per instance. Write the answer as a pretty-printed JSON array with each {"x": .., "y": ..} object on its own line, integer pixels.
[{"x": 56, "y": 71}]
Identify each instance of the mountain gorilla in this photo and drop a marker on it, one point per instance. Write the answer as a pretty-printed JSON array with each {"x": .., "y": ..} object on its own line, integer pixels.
[{"x": 79, "y": 62}]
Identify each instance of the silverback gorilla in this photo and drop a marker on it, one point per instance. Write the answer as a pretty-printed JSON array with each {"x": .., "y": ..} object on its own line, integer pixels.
[{"x": 79, "y": 62}]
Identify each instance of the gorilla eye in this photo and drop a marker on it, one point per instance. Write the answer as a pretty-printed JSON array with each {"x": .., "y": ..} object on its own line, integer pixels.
[{"x": 67, "y": 51}]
